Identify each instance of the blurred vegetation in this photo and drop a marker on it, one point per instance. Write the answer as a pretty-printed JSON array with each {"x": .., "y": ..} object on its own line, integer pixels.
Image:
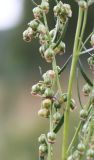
[{"x": 19, "y": 69}]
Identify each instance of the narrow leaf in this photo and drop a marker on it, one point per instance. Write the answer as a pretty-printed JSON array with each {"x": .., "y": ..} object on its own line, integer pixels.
[
  {"x": 59, "y": 125},
  {"x": 84, "y": 74},
  {"x": 65, "y": 65}
]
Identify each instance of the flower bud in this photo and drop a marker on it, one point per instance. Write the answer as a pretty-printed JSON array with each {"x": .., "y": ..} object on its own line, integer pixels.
[
  {"x": 42, "y": 150},
  {"x": 42, "y": 139},
  {"x": 44, "y": 113},
  {"x": 49, "y": 93},
  {"x": 45, "y": 6},
  {"x": 63, "y": 98},
  {"x": 83, "y": 114},
  {"x": 57, "y": 105},
  {"x": 46, "y": 103},
  {"x": 46, "y": 78},
  {"x": 51, "y": 137},
  {"x": 81, "y": 147},
  {"x": 28, "y": 35},
  {"x": 86, "y": 89},
  {"x": 51, "y": 74},
  {"x": 90, "y": 153},
  {"x": 33, "y": 24},
  {"x": 60, "y": 49},
  {"x": 92, "y": 40},
  {"x": 82, "y": 4},
  {"x": 35, "y": 89},
  {"x": 42, "y": 29},
  {"x": 72, "y": 104},
  {"x": 48, "y": 54},
  {"x": 91, "y": 61},
  {"x": 37, "y": 12},
  {"x": 56, "y": 117}
]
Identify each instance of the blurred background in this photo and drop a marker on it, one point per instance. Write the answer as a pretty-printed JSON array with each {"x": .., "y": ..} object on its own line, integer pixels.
[{"x": 20, "y": 126}]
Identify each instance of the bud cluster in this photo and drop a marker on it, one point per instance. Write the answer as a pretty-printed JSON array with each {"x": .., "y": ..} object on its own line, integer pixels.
[{"x": 63, "y": 11}]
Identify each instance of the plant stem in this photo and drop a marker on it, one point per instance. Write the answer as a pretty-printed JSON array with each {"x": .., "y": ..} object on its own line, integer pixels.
[
  {"x": 72, "y": 73},
  {"x": 49, "y": 144}
]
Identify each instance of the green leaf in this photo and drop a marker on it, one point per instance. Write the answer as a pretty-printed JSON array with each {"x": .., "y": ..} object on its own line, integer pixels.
[
  {"x": 65, "y": 65},
  {"x": 84, "y": 74},
  {"x": 59, "y": 125}
]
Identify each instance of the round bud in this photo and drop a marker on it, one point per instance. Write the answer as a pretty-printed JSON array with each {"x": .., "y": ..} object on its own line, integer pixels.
[
  {"x": 63, "y": 98},
  {"x": 67, "y": 10},
  {"x": 90, "y": 153},
  {"x": 33, "y": 24},
  {"x": 81, "y": 147},
  {"x": 83, "y": 114},
  {"x": 45, "y": 6},
  {"x": 72, "y": 104},
  {"x": 57, "y": 105},
  {"x": 44, "y": 113},
  {"x": 70, "y": 158},
  {"x": 86, "y": 89},
  {"x": 49, "y": 93},
  {"x": 91, "y": 61},
  {"x": 48, "y": 54},
  {"x": 37, "y": 12},
  {"x": 46, "y": 103},
  {"x": 42, "y": 139},
  {"x": 46, "y": 78},
  {"x": 92, "y": 40},
  {"x": 28, "y": 35},
  {"x": 51, "y": 137},
  {"x": 51, "y": 74},
  {"x": 42, "y": 150},
  {"x": 42, "y": 29},
  {"x": 56, "y": 117},
  {"x": 82, "y": 4},
  {"x": 35, "y": 89}
]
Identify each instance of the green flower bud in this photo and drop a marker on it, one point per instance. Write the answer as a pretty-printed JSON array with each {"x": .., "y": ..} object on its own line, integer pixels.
[
  {"x": 81, "y": 147},
  {"x": 46, "y": 79},
  {"x": 63, "y": 98},
  {"x": 49, "y": 93},
  {"x": 44, "y": 113},
  {"x": 82, "y": 4},
  {"x": 46, "y": 103},
  {"x": 92, "y": 40},
  {"x": 83, "y": 114},
  {"x": 56, "y": 117},
  {"x": 42, "y": 150},
  {"x": 37, "y": 12},
  {"x": 28, "y": 35},
  {"x": 90, "y": 153},
  {"x": 42, "y": 139},
  {"x": 33, "y": 24},
  {"x": 72, "y": 104},
  {"x": 56, "y": 10},
  {"x": 91, "y": 61},
  {"x": 57, "y": 105},
  {"x": 48, "y": 54},
  {"x": 70, "y": 158},
  {"x": 86, "y": 89},
  {"x": 35, "y": 89},
  {"x": 51, "y": 137},
  {"x": 45, "y": 6}
]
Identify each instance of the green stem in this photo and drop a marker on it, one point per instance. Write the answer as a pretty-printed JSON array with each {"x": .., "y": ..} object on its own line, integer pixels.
[
  {"x": 72, "y": 73},
  {"x": 83, "y": 28},
  {"x": 51, "y": 128}
]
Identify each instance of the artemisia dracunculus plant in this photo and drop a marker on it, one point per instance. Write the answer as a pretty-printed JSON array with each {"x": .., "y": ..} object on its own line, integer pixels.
[{"x": 56, "y": 105}]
